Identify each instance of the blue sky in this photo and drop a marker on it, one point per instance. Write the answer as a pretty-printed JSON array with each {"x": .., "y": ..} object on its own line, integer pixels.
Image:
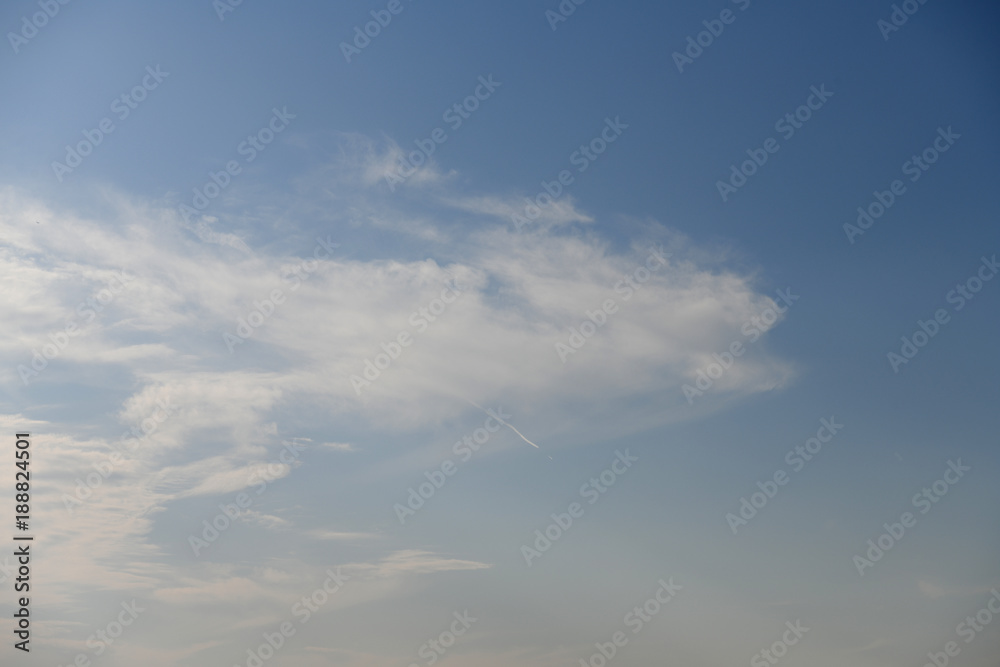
[{"x": 309, "y": 238}]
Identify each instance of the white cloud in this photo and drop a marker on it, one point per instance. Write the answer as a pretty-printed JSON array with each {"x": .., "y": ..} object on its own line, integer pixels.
[
  {"x": 340, "y": 536},
  {"x": 560, "y": 212},
  {"x": 339, "y": 446},
  {"x": 414, "y": 561},
  {"x": 161, "y": 339}
]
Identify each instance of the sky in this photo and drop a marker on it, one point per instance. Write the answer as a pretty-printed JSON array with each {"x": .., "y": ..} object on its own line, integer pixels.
[{"x": 538, "y": 333}]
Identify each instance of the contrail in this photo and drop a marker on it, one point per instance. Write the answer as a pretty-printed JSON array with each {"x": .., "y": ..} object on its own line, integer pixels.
[{"x": 504, "y": 423}]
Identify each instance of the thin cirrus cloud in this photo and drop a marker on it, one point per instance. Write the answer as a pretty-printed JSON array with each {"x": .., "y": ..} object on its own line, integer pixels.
[
  {"x": 526, "y": 290},
  {"x": 161, "y": 340}
]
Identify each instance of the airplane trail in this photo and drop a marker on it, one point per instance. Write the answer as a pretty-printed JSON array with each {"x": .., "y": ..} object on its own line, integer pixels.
[{"x": 504, "y": 423}]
